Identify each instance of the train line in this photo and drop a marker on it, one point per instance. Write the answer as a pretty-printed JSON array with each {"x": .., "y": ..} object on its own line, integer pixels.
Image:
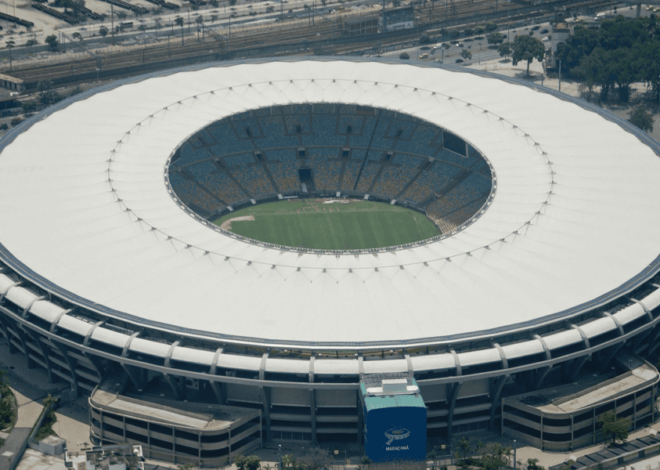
[{"x": 294, "y": 37}]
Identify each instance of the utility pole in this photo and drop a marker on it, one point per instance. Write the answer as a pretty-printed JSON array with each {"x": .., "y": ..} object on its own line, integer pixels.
[
  {"x": 112, "y": 24},
  {"x": 279, "y": 454},
  {"x": 560, "y": 75}
]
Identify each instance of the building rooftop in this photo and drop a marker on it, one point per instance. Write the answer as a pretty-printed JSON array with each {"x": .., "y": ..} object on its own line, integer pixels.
[
  {"x": 185, "y": 415},
  {"x": 586, "y": 393}
]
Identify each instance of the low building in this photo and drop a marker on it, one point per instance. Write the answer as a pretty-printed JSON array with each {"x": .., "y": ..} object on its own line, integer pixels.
[
  {"x": 124, "y": 457},
  {"x": 12, "y": 83},
  {"x": 566, "y": 417},
  {"x": 398, "y": 18},
  {"x": 361, "y": 25},
  {"x": 204, "y": 435}
]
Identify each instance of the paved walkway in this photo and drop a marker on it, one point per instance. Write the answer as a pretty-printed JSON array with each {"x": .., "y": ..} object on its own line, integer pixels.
[
  {"x": 30, "y": 387},
  {"x": 28, "y": 414}
]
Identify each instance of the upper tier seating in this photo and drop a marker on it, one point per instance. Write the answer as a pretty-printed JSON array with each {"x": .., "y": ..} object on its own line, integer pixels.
[{"x": 348, "y": 148}]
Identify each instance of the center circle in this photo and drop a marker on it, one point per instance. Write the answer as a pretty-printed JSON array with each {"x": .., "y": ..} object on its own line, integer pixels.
[{"x": 331, "y": 176}]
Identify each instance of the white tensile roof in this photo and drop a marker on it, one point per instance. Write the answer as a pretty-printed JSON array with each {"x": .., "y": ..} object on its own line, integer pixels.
[{"x": 576, "y": 212}]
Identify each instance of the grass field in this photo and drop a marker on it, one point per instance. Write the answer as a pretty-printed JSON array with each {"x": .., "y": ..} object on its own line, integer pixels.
[{"x": 309, "y": 223}]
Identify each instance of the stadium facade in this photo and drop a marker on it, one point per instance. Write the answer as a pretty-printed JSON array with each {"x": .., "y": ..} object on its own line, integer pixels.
[{"x": 111, "y": 282}]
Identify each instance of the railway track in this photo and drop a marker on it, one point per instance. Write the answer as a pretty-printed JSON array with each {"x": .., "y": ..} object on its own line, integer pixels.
[{"x": 294, "y": 37}]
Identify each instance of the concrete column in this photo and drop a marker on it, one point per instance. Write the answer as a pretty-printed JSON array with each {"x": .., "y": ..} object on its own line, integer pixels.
[{"x": 312, "y": 394}]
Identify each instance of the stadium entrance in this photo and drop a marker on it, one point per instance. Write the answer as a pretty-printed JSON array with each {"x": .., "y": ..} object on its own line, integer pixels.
[{"x": 306, "y": 180}]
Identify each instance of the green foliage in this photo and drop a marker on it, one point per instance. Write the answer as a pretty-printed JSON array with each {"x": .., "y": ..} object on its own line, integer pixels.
[
  {"x": 613, "y": 427},
  {"x": 31, "y": 42},
  {"x": 46, "y": 428},
  {"x": 466, "y": 54},
  {"x": 641, "y": 118},
  {"x": 404, "y": 56},
  {"x": 495, "y": 38},
  {"x": 527, "y": 48},
  {"x": 4, "y": 127},
  {"x": 424, "y": 39},
  {"x": 479, "y": 30},
  {"x": 463, "y": 451},
  {"x": 505, "y": 50},
  {"x": 47, "y": 95},
  {"x": 533, "y": 464},
  {"x": 490, "y": 27},
  {"x": 251, "y": 462},
  {"x": 493, "y": 456},
  {"x": 310, "y": 224},
  {"x": 29, "y": 107},
  {"x": 8, "y": 408},
  {"x": 15, "y": 122},
  {"x": 619, "y": 53},
  {"x": 52, "y": 42},
  {"x": 103, "y": 31}
]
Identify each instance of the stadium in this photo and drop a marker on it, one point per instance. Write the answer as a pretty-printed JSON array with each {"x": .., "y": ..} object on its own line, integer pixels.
[{"x": 533, "y": 309}]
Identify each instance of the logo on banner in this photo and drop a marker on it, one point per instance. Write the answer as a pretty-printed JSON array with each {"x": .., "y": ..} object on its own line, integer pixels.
[{"x": 396, "y": 434}]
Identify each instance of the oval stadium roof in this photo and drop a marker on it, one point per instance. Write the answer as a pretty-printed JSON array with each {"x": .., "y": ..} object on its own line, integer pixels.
[{"x": 84, "y": 206}]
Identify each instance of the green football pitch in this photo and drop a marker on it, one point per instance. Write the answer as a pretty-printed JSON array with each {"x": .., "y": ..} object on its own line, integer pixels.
[{"x": 309, "y": 223}]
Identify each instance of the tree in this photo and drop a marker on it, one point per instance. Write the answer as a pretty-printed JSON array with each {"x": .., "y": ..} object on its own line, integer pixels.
[
  {"x": 641, "y": 118},
  {"x": 613, "y": 427},
  {"x": 495, "y": 38},
  {"x": 404, "y": 56},
  {"x": 463, "y": 451},
  {"x": 31, "y": 42},
  {"x": 214, "y": 3},
  {"x": 466, "y": 54},
  {"x": 47, "y": 95},
  {"x": 527, "y": 48},
  {"x": 316, "y": 458},
  {"x": 179, "y": 22},
  {"x": 200, "y": 24},
  {"x": 494, "y": 456},
  {"x": 4, "y": 127},
  {"x": 533, "y": 464},
  {"x": 424, "y": 38},
  {"x": 15, "y": 122},
  {"x": 251, "y": 462},
  {"x": 490, "y": 27},
  {"x": 103, "y": 31},
  {"x": 505, "y": 50},
  {"x": 121, "y": 15},
  {"x": 479, "y": 30},
  {"x": 232, "y": 2},
  {"x": 29, "y": 107}
]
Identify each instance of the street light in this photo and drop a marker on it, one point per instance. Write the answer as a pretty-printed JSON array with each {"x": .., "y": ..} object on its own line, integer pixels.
[{"x": 514, "y": 454}]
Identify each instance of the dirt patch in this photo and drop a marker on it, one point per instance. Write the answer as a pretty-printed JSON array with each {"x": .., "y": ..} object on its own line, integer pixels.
[{"x": 227, "y": 223}]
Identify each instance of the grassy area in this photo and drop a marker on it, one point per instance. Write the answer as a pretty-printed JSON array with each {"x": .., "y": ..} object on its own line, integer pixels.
[{"x": 309, "y": 223}]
